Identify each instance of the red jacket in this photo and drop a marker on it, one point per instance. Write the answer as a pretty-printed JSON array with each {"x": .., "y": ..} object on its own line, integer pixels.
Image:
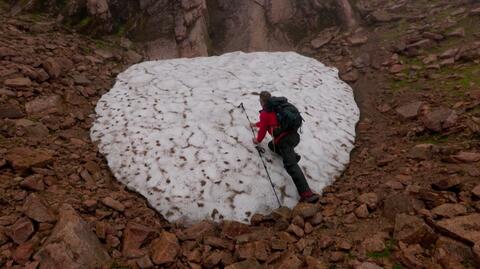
[{"x": 268, "y": 122}]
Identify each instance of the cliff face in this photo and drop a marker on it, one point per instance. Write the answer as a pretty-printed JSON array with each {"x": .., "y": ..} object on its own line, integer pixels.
[{"x": 188, "y": 28}]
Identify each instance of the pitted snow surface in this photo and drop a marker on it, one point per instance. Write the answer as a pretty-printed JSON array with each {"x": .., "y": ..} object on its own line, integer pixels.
[{"x": 172, "y": 131}]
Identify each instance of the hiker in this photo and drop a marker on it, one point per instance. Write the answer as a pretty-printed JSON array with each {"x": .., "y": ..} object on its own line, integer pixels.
[{"x": 283, "y": 143}]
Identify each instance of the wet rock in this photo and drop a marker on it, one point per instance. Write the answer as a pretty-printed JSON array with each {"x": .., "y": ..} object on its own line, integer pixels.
[
  {"x": 413, "y": 230},
  {"x": 21, "y": 230},
  {"x": 36, "y": 209},
  {"x": 165, "y": 248},
  {"x": 71, "y": 245},
  {"x": 409, "y": 111},
  {"x": 11, "y": 112},
  {"x": 466, "y": 157},
  {"x": 18, "y": 82},
  {"x": 133, "y": 238},
  {"x": 45, "y": 105},
  {"x": 34, "y": 183},
  {"x": 421, "y": 152},
  {"x": 25, "y": 158},
  {"x": 449, "y": 210},
  {"x": 370, "y": 199},
  {"x": 464, "y": 228},
  {"x": 439, "y": 119}
]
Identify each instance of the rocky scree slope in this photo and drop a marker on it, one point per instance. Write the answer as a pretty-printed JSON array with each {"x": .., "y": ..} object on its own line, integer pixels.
[
  {"x": 410, "y": 197},
  {"x": 188, "y": 28}
]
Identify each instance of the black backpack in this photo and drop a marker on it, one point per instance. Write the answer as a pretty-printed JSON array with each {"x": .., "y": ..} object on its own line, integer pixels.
[{"x": 288, "y": 115}]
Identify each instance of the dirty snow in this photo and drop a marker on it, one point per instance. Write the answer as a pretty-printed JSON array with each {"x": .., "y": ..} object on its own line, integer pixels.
[{"x": 172, "y": 131}]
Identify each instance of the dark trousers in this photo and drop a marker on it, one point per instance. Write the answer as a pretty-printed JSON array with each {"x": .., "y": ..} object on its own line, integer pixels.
[{"x": 286, "y": 149}]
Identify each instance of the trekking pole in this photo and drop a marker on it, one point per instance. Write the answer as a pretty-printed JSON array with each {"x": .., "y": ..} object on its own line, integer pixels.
[{"x": 259, "y": 150}]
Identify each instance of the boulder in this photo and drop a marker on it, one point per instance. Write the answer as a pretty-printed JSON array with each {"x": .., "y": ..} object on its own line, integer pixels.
[
  {"x": 133, "y": 238},
  {"x": 466, "y": 157},
  {"x": 21, "y": 230},
  {"x": 36, "y": 209},
  {"x": 464, "y": 228},
  {"x": 413, "y": 230},
  {"x": 26, "y": 158},
  {"x": 52, "y": 67},
  {"x": 409, "y": 111},
  {"x": 71, "y": 245},
  {"x": 45, "y": 105},
  {"x": 421, "y": 152},
  {"x": 370, "y": 199},
  {"x": 449, "y": 210},
  {"x": 11, "y": 112},
  {"x": 20, "y": 82},
  {"x": 165, "y": 248},
  {"x": 439, "y": 119}
]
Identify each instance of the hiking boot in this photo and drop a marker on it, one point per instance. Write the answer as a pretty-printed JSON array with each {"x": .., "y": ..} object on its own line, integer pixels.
[{"x": 311, "y": 199}]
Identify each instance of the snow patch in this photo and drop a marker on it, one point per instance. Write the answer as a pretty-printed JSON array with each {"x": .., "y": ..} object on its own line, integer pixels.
[{"x": 172, "y": 131}]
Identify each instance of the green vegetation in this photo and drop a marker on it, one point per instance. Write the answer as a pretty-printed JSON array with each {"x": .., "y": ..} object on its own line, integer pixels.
[
  {"x": 116, "y": 265},
  {"x": 398, "y": 266},
  {"x": 435, "y": 139}
]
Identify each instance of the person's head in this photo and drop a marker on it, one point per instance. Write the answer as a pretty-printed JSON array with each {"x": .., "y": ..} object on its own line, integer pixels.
[{"x": 264, "y": 97}]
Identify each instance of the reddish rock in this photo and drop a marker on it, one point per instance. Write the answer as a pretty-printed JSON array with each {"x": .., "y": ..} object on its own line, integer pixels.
[
  {"x": 449, "y": 210},
  {"x": 476, "y": 191},
  {"x": 21, "y": 230},
  {"x": 101, "y": 229},
  {"x": 305, "y": 210},
  {"x": 476, "y": 253},
  {"x": 350, "y": 76},
  {"x": 409, "y": 111},
  {"x": 71, "y": 245},
  {"x": 53, "y": 68},
  {"x": 357, "y": 40},
  {"x": 288, "y": 261},
  {"x": 133, "y": 238},
  {"x": 45, "y": 105},
  {"x": 112, "y": 241},
  {"x": 296, "y": 230},
  {"x": 247, "y": 264},
  {"x": 421, "y": 152},
  {"x": 5, "y": 51},
  {"x": 397, "y": 68},
  {"x": 218, "y": 242},
  {"x": 25, "y": 158},
  {"x": 18, "y": 82},
  {"x": 451, "y": 253},
  {"x": 374, "y": 244},
  {"x": 370, "y": 199},
  {"x": 409, "y": 256},
  {"x": 368, "y": 265},
  {"x": 447, "y": 183},
  {"x": 464, "y": 228},
  {"x": 439, "y": 119},
  {"x": 23, "y": 252},
  {"x": 362, "y": 211},
  {"x": 450, "y": 53},
  {"x": 198, "y": 231},
  {"x": 165, "y": 248},
  {"x": 36, "y": 209},
  {"x": 145, "y": 262},
  {"x": 33, "y": 183},
  {"x": 413, "y": 230},
  {"x": 321, "y": 41},
  {"x": 114, "y": 204},
  {"x": 232, "y": 229},
  {"x": 11, "y": 112},
  {"x": 458, "y": 32},
  {"x": 467, "y": 157}
]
